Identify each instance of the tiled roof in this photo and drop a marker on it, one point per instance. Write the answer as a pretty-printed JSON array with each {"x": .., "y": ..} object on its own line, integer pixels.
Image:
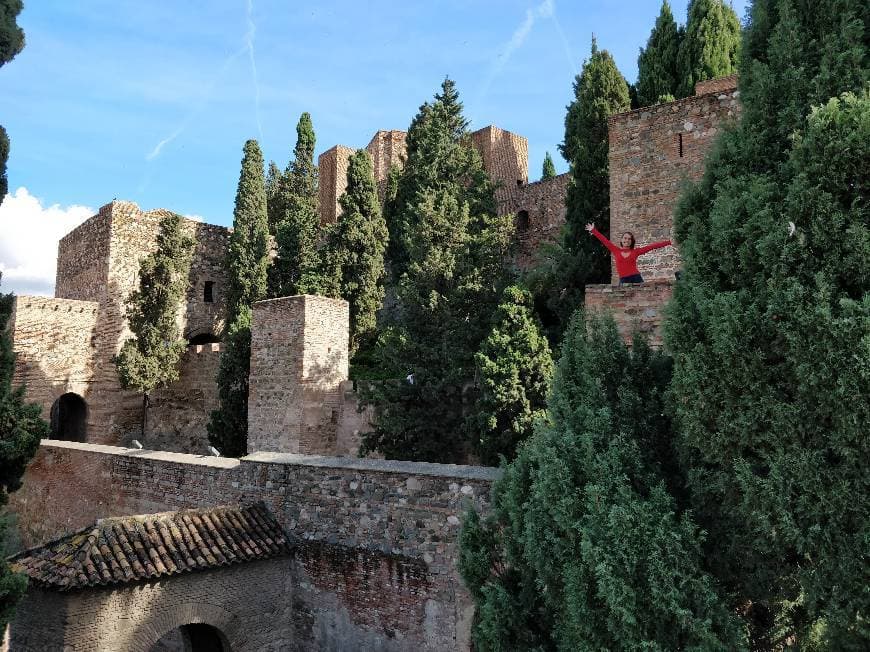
[{"x": 133, "y": 548}]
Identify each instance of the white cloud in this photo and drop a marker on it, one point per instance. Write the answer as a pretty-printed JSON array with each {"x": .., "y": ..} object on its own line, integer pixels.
[{"x": 29, "y": 233}]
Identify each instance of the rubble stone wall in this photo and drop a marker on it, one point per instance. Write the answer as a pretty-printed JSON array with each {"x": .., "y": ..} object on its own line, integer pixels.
[
  {"x": 332, "y": 170},
  {"x": 506, "y": 158},
  {"x": 539, "y": 210},
  {"x": 378, "y": 539},
  {"x": 634, "y": 307}
]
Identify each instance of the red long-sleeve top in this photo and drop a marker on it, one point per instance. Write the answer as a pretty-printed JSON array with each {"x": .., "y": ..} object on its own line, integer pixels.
[{"x": 626, "y": 259}]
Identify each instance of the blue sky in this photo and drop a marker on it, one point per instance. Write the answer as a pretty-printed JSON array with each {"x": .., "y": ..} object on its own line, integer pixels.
[{"x": 152, "y": 101}]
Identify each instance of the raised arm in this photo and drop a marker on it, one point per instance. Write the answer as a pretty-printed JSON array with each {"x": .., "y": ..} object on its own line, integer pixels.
[
  {"x": 654, "y": 245},
  {"x": 607, "y": 243}
]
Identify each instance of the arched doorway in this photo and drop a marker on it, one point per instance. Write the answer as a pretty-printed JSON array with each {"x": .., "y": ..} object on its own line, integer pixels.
[
  {"x": 69, "y": 418},
  {"x": 194, "y": 637}
]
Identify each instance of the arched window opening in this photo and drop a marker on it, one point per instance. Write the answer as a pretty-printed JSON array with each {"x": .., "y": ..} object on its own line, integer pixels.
[
  {"x": 523, "y": 221},
  {"x": 195, "y": 637},
  {"x": 203, "y": 338},
  {"x": 69, "y": 418}
]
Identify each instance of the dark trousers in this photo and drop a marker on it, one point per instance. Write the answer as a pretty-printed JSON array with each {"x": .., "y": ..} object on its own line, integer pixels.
[{"x": 634, "y": 278}]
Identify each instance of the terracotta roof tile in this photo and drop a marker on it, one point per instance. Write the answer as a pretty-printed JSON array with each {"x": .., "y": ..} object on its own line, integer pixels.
[{"x": 133, "y": 548}]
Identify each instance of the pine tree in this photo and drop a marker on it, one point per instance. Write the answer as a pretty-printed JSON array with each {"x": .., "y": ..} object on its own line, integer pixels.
[
  {"x": 586, "y": 547},
  {"x": 21, "y": 428},
  {"x": 710, "y": 47},
  {"x": 11, "y": 43},
  {"x": 769, "y": 328},
  {"x": 658, "y": 71},
  {"x": 354, "y": 252},
  {"x": 576, "y": 260},
  {"x": 549, "y": 169},
  {"x": 296, "y": 268},
  {"x": 150, "y": 358},
  {"x": 514, "y": 367},
  {"x": 454, "y": 254},
  {"x": 247, "y": 264}
]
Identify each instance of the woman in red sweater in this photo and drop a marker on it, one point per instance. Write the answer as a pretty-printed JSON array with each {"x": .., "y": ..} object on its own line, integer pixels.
[{"x": 626, "y": 255}]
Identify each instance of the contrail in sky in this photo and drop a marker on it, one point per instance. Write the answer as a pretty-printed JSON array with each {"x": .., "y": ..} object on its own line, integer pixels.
[{"x": 249, "y": 38}]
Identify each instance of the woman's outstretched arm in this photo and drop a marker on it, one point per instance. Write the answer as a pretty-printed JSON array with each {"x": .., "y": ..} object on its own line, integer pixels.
[
  {"x": 654, "y": 245},
  {"x": 607, "y": 243}
]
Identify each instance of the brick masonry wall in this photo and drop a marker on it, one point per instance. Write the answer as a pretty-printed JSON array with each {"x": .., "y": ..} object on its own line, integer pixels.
[
  {"x": 377, "y": 568},
  {"x": 540, "y": 213},
  {"x": 634, "y": 307},
  {"x": 725, "y": 84},
  {"x": 506, "y": 158},
  {"x": 179, "y": 414},
  {"x": 55, "y": 342},
  {"x": 652, "y": 152},
  {"x": 386, "y": 148},
  {"x": 332, "y": 171},
  {"x": 299, "y": 358}
]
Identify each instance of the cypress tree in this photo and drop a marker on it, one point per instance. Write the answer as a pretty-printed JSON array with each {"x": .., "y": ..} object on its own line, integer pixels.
[
  {"x": 150, "y": 358},
  {"x": 354, "y": 252},
  {"x": 11, "y": 43},
  {"x": 564, "y": 270},
  {"x": 769, "y": 328},
  {"x": 247, "y": 263},
  {"x": 549, "y": 169},
  {"x": 514, "y": 367},
  {"x": 297, "y": 265},
  {"x": 454, "y": 271},
  {"x": 710, "y": 47},
  {"x": 21, "y": 428},
  {"x": 658, "y": 71},
  {"x": 274, "y": 209},
  {"x": 586, "y": 547}
]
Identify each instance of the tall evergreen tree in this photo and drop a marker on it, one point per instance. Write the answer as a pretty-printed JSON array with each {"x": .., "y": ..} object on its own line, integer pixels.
[
  {"x": 247, "y": 263},
  {"x": 11, "y": 43},
  {"x": 274, "y": 188},
  {"x": 354, "y": 252},
  {"x": 586, "y": 547},
  {"x": 150, "y": 358},
  {"x": 21, "y": 428},
  {"x": 564, "y": 270},
  {"x": 770, "y": 328},
  {"x": 514, "y": 367},
  {"x": 454, "y": 254},
  {"x": 658, "y": 70},
  {"x": 710, "y": 47},
  {"x": 549, "y": 169},
  {"x": 297, "y": 265}
]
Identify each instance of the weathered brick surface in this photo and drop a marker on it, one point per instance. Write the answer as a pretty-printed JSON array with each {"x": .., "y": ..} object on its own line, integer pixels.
[
  {"x": 386, "y": 148},
  {"x": 378, "y": 570},
  {"x": 299, "y": 358},
  {"x": 652, "y": 152},
  {"x": 634, "y": 307},
  {"x": 506, "y": 158},
  {"x": 718, "y": 85},
  {"x": 539, "y": 208},
  {"x": 332, "y": 171}
]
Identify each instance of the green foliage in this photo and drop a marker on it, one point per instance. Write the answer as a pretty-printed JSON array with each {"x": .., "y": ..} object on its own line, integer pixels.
[
  {"x": 658, "y": 70},
  {"x": 296, "y": 270},
  {"x": 4, "y": 156},
  {"x": 247, "y": 263},
  {"x": 549, "y": 169},
  {"x": 453, "y": 253},
  {"x": 354, "y": 252},
  {"x": 11, "y": 35},
  {"x": 274, "y": 188},
  {"x": 564, "y": 269},
  {"x": 150, "y": 358},
  {"x": 586, "y": 547},
  {"x": 21, "y": 428},
  {"x": 514, "y": 367},
  {"x": 770, "y": 328},
  {"x": 710, "y": 47}
]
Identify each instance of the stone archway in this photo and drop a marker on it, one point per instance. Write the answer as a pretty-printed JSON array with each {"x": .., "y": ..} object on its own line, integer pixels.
[
  {"x": 188, "y": 627},
  {"x": 193, "y": 637},
  {"x": 69, "y": 418}
]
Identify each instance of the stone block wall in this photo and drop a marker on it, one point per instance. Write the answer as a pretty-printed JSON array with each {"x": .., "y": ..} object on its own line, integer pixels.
[
  {"x": 179, "y": 414},
  {"x": 506, "y": 158},
  {"x": 376, "y": 568},
  {"x": 299, "y": 358},
  {"x": 634, "y": 307},
  {"x": 386, "y": 148},
  {"x": 332, "y": 170},
  {"x": 653, "y": 151},
  {"x": 539, "y": 208},
  {"x": 55, "y": 342}
]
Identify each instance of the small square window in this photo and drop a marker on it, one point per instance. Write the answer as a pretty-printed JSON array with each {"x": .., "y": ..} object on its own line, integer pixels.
[{"x": 208, "y": 292}]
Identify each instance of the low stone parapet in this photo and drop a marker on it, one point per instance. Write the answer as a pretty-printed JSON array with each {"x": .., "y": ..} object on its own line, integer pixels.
[{"x": 634, "y": 306}]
